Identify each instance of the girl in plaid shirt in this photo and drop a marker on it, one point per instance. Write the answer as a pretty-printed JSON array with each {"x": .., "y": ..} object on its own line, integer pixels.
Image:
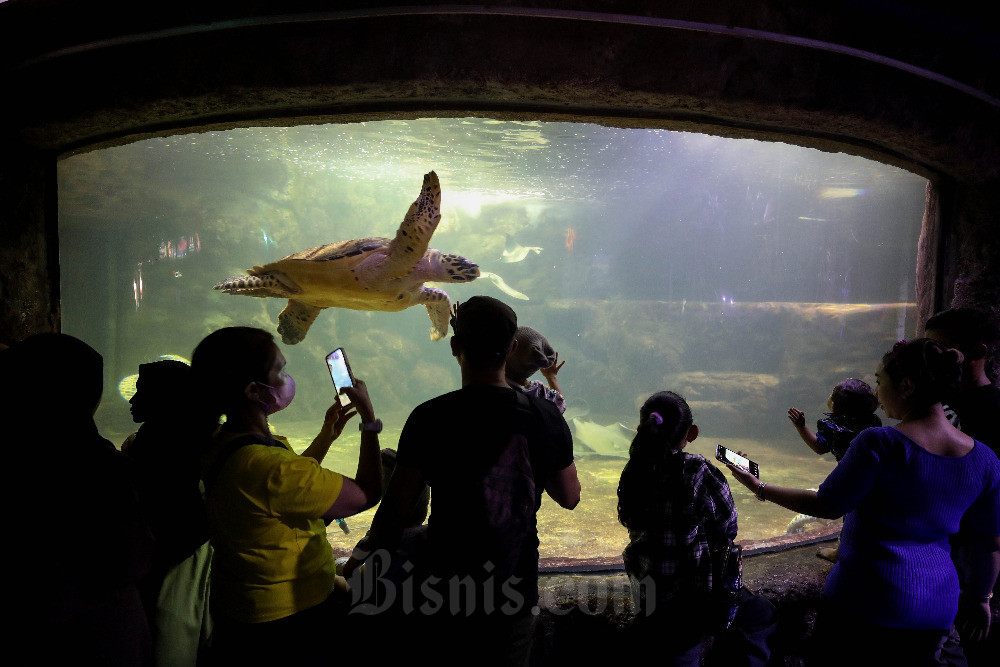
[{"x": 679, "y": 512}]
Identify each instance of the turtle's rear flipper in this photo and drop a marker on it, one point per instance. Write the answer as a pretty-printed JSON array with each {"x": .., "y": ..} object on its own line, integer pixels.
[
  {"x": 264, "y": 285},
  {"x": 295, "y": 320},
  {"x": 438, "y": 308}
]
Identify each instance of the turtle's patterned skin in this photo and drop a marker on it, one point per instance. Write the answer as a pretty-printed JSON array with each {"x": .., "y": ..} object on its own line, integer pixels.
[{"x": 363, "y": 274}]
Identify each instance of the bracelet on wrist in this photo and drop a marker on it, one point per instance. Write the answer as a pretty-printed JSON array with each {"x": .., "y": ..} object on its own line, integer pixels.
[{"x": 760, "y": 492}]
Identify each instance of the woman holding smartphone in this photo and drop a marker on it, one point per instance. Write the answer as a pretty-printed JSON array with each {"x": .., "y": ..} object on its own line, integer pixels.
[
  {"x": 904, "y": 490},
  {"x": 275, "y": 592}
]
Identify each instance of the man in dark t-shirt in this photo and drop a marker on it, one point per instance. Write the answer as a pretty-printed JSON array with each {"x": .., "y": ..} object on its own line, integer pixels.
[
  {"x": 470, "y": 591},
  {"x": 479, "y": 421}
]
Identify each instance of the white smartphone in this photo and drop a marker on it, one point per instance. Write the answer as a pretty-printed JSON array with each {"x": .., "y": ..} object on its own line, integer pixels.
[
  {"x": 729, "y": 456},
  {"x": 340, "y": 370}
]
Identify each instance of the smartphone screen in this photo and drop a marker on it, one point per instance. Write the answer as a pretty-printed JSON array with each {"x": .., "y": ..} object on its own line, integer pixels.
[
  {"x": 340, "y": 371},
  {"x": 729, "y": 456}
]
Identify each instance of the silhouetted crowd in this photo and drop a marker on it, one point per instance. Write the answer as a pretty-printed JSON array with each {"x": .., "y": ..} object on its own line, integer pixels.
[{"x": 203, "y": 539}]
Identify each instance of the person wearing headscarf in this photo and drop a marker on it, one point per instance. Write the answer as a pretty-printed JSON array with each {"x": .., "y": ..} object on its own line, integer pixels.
[{"x": 83, "y": 540}]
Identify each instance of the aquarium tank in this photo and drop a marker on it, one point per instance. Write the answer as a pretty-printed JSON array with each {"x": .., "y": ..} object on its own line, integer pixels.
[{"x": 748, "y": 276}]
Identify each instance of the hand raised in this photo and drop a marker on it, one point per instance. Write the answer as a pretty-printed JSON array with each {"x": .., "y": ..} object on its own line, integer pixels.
[
  {"x": 337, "y": 416},
  {"x": 551, "y": 371}
]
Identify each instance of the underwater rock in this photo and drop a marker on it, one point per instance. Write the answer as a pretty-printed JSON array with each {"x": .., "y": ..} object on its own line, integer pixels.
[
  {"x": 727, "y": 402},
  {"x": 363, "y": 274}
]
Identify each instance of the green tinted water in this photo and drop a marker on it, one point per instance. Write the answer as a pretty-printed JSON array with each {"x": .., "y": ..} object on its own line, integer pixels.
[{"x": 749, "y": 277}]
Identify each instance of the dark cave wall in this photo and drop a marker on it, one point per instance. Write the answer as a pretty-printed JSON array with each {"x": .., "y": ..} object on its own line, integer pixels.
[
  {"x": 99, "y": 77},
  {"x": 29, "y": 261}
]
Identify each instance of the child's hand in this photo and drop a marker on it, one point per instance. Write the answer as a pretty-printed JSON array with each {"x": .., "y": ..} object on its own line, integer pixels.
[
  {"x": 551, "y": 372},
  {"x": 797, "y": 417}
]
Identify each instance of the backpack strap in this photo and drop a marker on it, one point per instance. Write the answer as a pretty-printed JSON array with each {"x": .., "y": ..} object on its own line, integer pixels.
[
  {"x": 227, "y": 450},
  {"x": 529, "y": 420}
]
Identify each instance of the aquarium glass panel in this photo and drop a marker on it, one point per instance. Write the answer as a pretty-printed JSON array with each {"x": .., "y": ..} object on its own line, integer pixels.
[{"x": 748, "y": 276}]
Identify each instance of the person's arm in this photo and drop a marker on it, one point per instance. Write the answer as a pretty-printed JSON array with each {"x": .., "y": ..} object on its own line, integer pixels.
[
  {"x": 804, "y": 501},
  {"x": 798, "y": 419},
  {"x": 405, "y": 487},
  {"x": 564, "y": 487},
  {"x": 365, "y": 489},
  {"x": 336, "y": 418},
  {"x": 973, "y": 621}
]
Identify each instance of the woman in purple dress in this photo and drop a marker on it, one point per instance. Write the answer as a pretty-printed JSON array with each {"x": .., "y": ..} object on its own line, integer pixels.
[{"x": 903, "y": 490}]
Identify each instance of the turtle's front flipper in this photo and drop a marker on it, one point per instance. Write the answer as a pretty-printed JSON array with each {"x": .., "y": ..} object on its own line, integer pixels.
[
  {"x": 414, "y": 233},
  {"x": 295, "y": 320},
  {"x": 438, "y": 308}
]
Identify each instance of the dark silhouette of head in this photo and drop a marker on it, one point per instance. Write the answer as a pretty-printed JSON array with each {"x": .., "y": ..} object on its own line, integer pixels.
[
  {"x": 58, "y": 375},
  {"x": 853, "y": 398},
  {"x": 972, "y": 331},
  {"x": 229, "y": 359},
  {"x": 666, "y": 425},
  {"x": 484, "y": 331},
  {"x": 162, "y": 391}
]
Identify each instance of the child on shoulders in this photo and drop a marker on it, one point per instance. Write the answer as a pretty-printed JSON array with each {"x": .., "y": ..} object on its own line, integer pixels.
[
  {"x": 533, "y": 354},
  {"x": 852, "y": 406}
]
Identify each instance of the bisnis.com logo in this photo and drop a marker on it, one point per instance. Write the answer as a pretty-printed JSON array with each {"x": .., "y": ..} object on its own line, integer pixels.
[{"x": 378, "y": 588}]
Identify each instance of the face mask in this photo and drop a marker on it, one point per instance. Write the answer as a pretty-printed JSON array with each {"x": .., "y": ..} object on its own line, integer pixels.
[{"x": 277, "y": 398}]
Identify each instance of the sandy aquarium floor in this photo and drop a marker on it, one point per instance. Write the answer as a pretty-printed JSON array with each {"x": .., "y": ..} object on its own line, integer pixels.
[{"x": 592, "y": 529}]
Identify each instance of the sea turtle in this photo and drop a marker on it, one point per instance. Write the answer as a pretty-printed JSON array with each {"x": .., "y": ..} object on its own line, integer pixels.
[{"x": 363, "y": 274}]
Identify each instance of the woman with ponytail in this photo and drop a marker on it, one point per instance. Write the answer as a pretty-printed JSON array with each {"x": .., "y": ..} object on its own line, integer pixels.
[
  {"x": 680, "y": 515},
  {"x": 903, "y": 490}
]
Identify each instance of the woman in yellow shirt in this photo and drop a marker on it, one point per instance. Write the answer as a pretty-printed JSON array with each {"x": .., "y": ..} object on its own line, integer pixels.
[{"x": 275, "y": 592}]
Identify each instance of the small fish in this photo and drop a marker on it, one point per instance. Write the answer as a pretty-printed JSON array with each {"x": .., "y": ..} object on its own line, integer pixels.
[
  {"x": 502, "y": 286},
  {"x": 803, "y": 522},
  {"x": 570, "y": 238},
  {"x": 178, "y": 274},
  {"x": 515, "y": 252}
]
